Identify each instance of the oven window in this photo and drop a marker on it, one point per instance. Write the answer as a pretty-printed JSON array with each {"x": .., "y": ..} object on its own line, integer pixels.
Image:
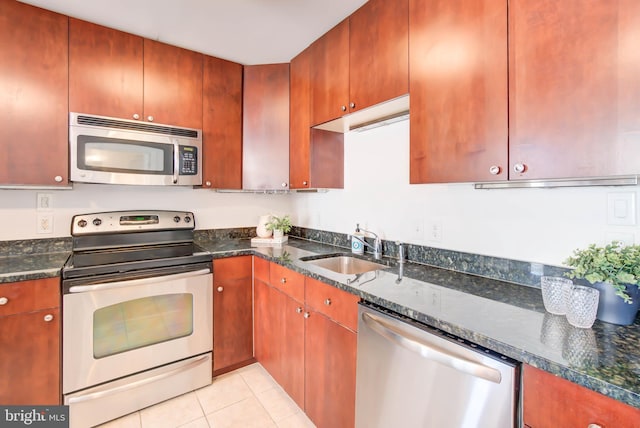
[
  {"x": 141, "y": 322},
  {"x": 116, "y": 155}
]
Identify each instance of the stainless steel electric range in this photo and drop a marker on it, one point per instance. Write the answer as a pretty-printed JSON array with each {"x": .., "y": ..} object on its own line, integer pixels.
[{"x": 137, "y": 313}]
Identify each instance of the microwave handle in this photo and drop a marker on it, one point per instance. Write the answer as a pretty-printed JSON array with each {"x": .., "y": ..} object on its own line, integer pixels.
[{"x": 176, "y": 161}]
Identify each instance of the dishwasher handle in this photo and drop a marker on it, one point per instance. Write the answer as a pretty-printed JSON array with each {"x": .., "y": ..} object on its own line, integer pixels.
[{"x": 430, "y": 351}]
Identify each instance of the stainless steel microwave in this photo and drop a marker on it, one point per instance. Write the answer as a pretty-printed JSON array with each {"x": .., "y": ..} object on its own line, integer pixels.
[{"x": 117, "y": 151}]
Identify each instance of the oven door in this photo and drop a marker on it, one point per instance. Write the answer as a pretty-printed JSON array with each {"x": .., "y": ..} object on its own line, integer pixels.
[{"x": 115, "y": 329}]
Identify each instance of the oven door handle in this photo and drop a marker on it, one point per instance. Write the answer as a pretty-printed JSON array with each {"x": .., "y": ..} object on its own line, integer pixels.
[
  {"x": 99, "y": 394},
  {"x": 135, "y": 282}
]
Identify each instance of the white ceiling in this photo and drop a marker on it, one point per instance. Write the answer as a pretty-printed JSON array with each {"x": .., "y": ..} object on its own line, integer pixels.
[{"x": 244, "y": 31}]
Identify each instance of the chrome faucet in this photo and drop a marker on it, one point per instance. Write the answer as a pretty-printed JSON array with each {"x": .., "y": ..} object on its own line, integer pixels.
[{"x": 377, "y": 244}]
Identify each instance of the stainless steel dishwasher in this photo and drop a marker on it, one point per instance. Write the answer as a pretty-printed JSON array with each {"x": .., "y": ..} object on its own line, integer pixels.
[{"x": 411, "y": 375}]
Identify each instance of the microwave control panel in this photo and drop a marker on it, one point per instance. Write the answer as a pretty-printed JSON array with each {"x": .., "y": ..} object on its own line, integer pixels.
[{"x": 188, "y": 160}]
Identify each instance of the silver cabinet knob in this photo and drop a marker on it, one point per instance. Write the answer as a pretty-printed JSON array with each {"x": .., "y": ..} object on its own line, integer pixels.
[
  {"x": 284, "y": 184},
  {"x": 594, "y": 426},
  {"x": 150, "y": 118},
  {"x": 58, "y": 178},
  {"x": 327, "y": 302},
  {"x": 306, "y": 315},
  {"x": 136, "y": 116},
  {"x": 207, "y": 183},
  {"x": 283, "y": 280},
  {"x": 343, "y": 108},
  {"x": 3, "y": 300},
  {"x": 220, "y": 289},
  {"x": 304, "y": 183},
  {"x": 519, "y": 167},
  {"x": 352, "y": 104},
  {"x": 494, "y": 170},
  {"x": 299, "y": 310},
  {"x": 48, "y": 318}
]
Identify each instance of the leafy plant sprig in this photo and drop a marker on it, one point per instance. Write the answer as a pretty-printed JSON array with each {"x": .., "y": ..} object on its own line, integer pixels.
[
  {"x": 614, "y": 263},
  {"x": 280, "y": 223}
]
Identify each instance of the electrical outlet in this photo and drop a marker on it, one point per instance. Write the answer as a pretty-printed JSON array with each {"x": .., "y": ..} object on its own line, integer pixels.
[
  {"x": 44, "y": 223},
  {"x": 434, "y": 231},
  {"x": 44, "y": 202},
  {"x": 418, "y": 229}
]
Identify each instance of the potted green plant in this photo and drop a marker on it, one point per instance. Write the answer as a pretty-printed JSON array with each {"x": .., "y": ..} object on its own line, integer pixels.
[
  {"x": 279, "y": 225},
  {"x": 613, "y": 269}
]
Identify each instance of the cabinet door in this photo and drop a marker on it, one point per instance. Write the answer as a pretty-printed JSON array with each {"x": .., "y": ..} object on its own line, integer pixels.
[
  {"x": 330, "y": 372},
  {"x": 105, "y": 71},
  {"x": 222, "y": 124},
  {"x": 279, "y": 338},
  {"x": 300, "y": 121},
  {"x": 30, "y": 358},
  {"x": 574, "y": 92},
  {"x": 265, "y": 163},
  {"x": 378, "y": 52},
  {"x": 550, "y": 402},
  {"x": 232, "y": 312},
  {"x": 330, "y": 74},
  {"x": 458, "y": 62},
  {"x": 172, "y": 85},
  {"x": 34, "y": 92}
]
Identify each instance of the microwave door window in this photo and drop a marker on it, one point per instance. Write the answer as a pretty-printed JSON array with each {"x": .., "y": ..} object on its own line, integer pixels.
[{"x": 114, "y": 156}]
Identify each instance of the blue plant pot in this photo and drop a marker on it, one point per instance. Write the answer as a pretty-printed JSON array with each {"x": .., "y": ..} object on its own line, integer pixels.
[{"x": 612, "y": 309}]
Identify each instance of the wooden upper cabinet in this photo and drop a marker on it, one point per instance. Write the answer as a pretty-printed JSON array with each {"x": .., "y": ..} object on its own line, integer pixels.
[
  {"x": 316, "y": 157},
  {"x": 300, "y": 120},
  {"x": 265, "y": 127},
  {"x": 458, "y": 84},
  {"x": 378, "y": 53},
  {"x": 574, "y": 88},
  {"x": 105, "y": 71},
  {"x": 172, "y": 85},
  {"x": 550, "y": 402},
  {"x": 222, "y": 124},
  {"x": 330, "y": 74},
  {"x": 34, "y": 107},
  {"x": 121, "y": 75}
]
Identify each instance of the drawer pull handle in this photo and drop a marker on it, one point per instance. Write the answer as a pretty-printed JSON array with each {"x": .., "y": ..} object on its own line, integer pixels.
[
  {"x": 327, "y": 302},
  {"x": 3, "y": 300},
  {"x": 48, "y": 318},
  {"x": 299, "y": 310},
  {"x": 306, "y": 315},
  {"x": 594, "y": 426},
  {"x": 283, "y": 280},
  {"x": 220, "y": 289}
]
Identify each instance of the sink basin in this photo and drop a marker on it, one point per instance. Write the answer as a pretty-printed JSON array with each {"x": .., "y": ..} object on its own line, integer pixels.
[{"x": 345, "y": 264}]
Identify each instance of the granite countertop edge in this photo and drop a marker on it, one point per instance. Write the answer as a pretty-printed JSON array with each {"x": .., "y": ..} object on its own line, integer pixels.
[{"x": 50, "y": 266}]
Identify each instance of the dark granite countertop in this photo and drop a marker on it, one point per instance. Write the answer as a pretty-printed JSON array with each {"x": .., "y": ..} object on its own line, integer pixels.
[{"x": 502, "y": 316}]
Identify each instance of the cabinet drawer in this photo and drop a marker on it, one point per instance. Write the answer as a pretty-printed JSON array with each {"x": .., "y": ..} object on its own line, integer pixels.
[
  {"x": 261, "y": 269},
  {"x": 232, "y": 268},
  {"x": 337, "y": 304},
  {"x": 288, "y": 281},
  {"x": 28, "y": 296}
]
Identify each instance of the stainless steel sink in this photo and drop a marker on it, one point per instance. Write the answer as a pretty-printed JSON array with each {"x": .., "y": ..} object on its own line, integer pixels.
[{"x": 347, "y": 265}]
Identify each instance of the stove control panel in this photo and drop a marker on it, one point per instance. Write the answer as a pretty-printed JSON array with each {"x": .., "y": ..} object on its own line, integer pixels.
[{"x": 130, "y": 221}]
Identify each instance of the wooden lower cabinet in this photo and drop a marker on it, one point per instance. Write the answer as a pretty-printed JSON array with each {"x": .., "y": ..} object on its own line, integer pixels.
[
  {"x": 309, "y": 353},
  {"x": 552, "y": 402},
  {"x": 30, "y": 342},
  {"x": 232, "y": 315},
  {"x": 330, "y": 372}
]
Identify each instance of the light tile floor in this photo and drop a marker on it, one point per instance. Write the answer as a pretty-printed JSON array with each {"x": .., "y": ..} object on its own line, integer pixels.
[{"x": 245, "y": 398}]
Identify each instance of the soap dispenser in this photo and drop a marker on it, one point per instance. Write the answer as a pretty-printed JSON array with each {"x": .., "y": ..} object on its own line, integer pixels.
[{"x": 357, "y": 239}]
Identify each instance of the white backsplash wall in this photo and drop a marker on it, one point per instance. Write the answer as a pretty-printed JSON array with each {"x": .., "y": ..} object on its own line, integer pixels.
[
  {"x": 537, "y": 225},
  {"x": 19, "y": 217}
]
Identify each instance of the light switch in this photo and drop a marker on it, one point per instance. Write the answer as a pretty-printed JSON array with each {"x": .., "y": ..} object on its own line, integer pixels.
[{"x": 621, "y": 209}]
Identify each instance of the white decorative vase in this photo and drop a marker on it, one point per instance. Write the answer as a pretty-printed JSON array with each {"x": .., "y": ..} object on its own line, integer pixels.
[
  {"x": 278, "y": 234},
  {"x": 261, "y": 230}
]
